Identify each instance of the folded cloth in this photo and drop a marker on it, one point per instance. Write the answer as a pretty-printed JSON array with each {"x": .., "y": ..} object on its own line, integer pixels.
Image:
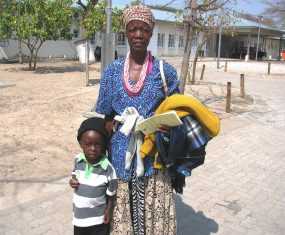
[
  {"x": 129, "y": 119},
  {"x": 184, "y": 105}
]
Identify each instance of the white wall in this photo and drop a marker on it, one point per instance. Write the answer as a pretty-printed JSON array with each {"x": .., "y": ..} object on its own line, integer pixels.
[
  {"x": 58, "y": 49},
  {"x": 168, "y": 28},
  {"x": 272, "y": 48},
  {"x": 67, "y": 49},
  {"x": 11, "y": 49},
  {"x": 153, "y": 42}
]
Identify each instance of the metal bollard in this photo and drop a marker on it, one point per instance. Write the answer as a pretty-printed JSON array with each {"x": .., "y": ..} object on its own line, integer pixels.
[
  {"x": 228, "y": 98},
  {"x": 269, "y": 68},
  {"x": 202, "y": 73},
  {"x": 226, "y": 66},
  {"x": 242, "y": 92}
]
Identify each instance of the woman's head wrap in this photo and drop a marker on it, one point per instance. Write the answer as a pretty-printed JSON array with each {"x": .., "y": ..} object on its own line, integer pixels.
[{"x": 138, "y": 12}]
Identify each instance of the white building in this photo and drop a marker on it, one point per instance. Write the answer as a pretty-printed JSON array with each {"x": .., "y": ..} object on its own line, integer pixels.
[{"x": 168, "y": 40}]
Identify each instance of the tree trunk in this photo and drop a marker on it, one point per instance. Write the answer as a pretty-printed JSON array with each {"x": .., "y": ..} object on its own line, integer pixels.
[
  {"x": 30, "y": 60},
  {"x": 20, "y": 53},
  {"x": 199, "y": 47},
  {"x": 87, "y": 61},
  {"x": 31, "y": 56},
  {"x": 188, "y": 28},
  {"x": 186, "y": 56},
  {"x": 35, "y": 62},
  {"x": 194, "y": 66},
  {"x": 36, "y": 55}
]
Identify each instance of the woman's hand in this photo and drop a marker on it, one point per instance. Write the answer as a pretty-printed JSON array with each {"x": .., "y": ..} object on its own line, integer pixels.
[
  {"x": 73, "y": 182},
  {"x": 164, "y": 129},
  {"x": 109, "y": 126}
]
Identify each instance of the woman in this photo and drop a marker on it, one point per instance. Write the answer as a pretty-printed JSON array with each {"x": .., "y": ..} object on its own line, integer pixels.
[{"x": 145, "y": 205}]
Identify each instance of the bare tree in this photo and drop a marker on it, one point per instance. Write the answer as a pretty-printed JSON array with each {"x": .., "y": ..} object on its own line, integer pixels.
[
  {"x": 199, "y": 14},
  {"x": 207, "y": 25},
  {"x": 276, "y": 10}
]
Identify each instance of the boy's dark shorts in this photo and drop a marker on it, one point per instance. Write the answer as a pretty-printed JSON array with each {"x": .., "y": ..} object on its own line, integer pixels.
[{"x": 101, "y": 229}]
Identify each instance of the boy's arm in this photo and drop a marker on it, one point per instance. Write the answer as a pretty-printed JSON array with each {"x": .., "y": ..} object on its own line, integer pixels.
[
  {"x": 111, "y": 194},
  {"x": 109, "y": 209},
  {"x": 73, "y": 182}
]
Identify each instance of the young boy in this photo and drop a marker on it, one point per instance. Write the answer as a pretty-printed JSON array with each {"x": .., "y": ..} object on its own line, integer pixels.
[{"x": 94, "y": 180}]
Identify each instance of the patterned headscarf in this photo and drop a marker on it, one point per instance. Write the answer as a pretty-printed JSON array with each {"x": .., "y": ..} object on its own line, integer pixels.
[{"x": 138, "y": 12}]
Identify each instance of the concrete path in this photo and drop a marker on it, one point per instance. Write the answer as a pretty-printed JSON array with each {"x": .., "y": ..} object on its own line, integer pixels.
[
  {"x": 4, "y": 84},
  {"x": 239, "y": 190},
  {"x": 241, "y": 187}
]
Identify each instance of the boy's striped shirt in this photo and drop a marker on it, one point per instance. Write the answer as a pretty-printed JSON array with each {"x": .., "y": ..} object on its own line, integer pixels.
[{"x": 95, "y": 182}]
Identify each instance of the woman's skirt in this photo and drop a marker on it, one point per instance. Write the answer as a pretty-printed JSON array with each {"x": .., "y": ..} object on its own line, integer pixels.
[{"x": 145, "y": 206}]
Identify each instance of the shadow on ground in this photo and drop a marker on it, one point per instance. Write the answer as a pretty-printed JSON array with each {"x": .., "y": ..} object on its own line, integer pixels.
[
  {"x": 49, "y": 180},
  {"x": 191, "y": 222},
  {"x": 53, "y": 69},
  {"x": 93, "y": 82}
]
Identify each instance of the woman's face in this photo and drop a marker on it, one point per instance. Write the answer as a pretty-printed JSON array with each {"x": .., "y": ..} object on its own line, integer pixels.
[{"x": 138, "y": 34}]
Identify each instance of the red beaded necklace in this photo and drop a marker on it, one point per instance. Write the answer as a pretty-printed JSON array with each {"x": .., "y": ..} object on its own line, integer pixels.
[{"x": 134, "y": 89}]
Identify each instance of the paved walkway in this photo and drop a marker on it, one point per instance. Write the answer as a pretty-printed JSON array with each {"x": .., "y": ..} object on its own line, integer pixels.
[
  {"x": 239, "y": 190},
  {"x": 4, "y": 84}
]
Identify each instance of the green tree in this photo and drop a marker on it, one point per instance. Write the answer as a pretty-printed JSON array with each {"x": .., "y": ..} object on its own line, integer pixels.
[
  {"x": 33, "y": 22},
  {"x": 94, "y": 19}
]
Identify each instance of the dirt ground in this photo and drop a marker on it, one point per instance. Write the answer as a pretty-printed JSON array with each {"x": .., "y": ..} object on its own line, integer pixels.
[
  {"x": 41, "y": 111},
  {"x": 39, "y": 117}
]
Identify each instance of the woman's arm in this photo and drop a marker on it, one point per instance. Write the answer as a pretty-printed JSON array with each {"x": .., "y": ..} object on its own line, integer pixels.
[
  {"x": 109, "y": 123},
  {"x": 171, "y": 79}
]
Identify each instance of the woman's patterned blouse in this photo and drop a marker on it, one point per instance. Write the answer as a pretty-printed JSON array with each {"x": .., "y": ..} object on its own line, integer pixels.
[{"x": 113, "y": 99}]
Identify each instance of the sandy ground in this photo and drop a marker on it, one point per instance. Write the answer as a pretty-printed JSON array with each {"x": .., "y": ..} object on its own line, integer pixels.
[
  {"x": 41, "y": 111},
  {"x": 40, "y": 115}
]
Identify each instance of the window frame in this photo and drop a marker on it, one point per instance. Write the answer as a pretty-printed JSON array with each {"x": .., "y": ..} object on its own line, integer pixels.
[
  {"x": 160, "y": 40},
  {"x": 171, "y": 40},
  {"x": 121, "y": 39}
]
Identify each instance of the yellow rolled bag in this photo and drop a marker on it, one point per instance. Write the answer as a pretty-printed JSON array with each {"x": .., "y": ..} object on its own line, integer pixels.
[{"x": 183, "y": 105}]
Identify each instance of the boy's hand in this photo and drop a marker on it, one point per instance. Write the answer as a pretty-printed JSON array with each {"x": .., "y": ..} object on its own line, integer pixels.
[{"x": 73, "y": 182}]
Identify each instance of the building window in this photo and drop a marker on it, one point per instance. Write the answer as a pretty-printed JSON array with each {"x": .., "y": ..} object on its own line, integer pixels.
[
  {"x": 181, "y": 41},
  {"x": 160, "y": 40},
  {"x": 75, "y": 33},
  {"x": 121, "y": 39},
  {"x": 171, "y": 40}
]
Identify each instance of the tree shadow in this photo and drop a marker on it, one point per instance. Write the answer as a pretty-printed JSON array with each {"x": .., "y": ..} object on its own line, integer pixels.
[
  {"x": 93, "y": 82},
  {"x": 58, "y": 69},
  {"x": 49, "y": 180},
  {"x": 191, "y": 222}
]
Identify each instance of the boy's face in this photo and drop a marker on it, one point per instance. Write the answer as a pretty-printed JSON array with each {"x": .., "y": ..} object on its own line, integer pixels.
[{"x": 93, "y": 146}]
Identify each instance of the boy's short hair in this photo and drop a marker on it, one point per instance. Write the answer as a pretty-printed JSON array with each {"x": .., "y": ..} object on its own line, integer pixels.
[{"x": 95, "y": 124}]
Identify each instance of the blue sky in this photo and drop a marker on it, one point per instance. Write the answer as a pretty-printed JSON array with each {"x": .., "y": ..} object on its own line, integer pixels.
[{"x": 254, "y": 7}]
